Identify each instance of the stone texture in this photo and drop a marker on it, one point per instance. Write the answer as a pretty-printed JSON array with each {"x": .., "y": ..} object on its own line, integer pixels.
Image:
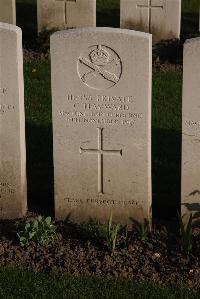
[
  {"x": 191, "y": 128},
  {"x": 12, "y": 124},
  {"x": 162, "y": 18},
  {"x": 60, "y": 14},
  {"x": 101, "y": 88},
  {"x": 8, "y": 11}
]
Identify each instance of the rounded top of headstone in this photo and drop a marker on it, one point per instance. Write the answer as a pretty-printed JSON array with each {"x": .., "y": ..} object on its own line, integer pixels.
[
  {"x": 104, "y": 30},
  {"x": 10, "y": 27},
  {"x": 192, "y": 40}
]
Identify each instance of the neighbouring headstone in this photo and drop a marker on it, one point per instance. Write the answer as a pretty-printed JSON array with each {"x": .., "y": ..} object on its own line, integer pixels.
[
  {"x": 61, "y": 14},
  {"x": 191, "y": 128},
  {"x": 8, "y": 11},
  {"x": 101, "y": 88},
  {"x": 162, "y": 18},
  {"x": 12, "y": 124}
]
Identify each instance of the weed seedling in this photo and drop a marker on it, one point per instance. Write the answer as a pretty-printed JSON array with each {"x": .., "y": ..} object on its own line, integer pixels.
[
  {"x": 143, "y": 230},
  {"x": 40, "y": 230},
  {"x": 111, "y": 235},
  {"x": 186, "y": 235}
]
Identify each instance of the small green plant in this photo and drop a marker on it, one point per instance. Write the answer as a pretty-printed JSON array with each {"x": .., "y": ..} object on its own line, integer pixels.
[
  {"x": 40, "y": 230},
  {"x": 111, "y": 235},
  {"x": 186, "y": 235},
  {"x": 93, "y": 229},
  {"x": 143, "y": 230}
]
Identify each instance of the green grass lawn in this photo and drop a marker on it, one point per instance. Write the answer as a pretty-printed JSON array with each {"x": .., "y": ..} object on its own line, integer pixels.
[{"x": 16, "y": 284}]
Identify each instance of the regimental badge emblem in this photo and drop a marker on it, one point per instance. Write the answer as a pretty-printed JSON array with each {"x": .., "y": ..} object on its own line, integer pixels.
[{"x": 99, "y": 67}]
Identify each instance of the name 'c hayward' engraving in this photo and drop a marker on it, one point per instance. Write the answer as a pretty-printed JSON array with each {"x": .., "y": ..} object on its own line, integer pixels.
[{"x": 106, "y": 106}]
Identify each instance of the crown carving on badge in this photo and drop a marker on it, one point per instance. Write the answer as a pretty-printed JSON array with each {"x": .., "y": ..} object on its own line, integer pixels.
[{"x": 99, "y": 56}]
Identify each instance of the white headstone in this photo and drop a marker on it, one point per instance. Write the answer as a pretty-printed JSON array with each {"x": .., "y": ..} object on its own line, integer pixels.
[
  {"x": 60, "y": 14},
  {"x": 191, "y": 128},
  {"x": 8, "y": 11},
  {"x": 162, "y": 18},
  {"x": 12, "y": 124},
  {"x": 101, "y": 87}
]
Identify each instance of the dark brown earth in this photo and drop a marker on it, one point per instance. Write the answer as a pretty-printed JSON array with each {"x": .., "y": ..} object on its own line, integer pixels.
[{"x": 158, "y": 259}]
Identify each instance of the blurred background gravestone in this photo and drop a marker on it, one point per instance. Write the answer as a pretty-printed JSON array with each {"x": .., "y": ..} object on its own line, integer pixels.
[
  {"x": 8, "y": 11},
  {"x": 162, "y": 18},
  {"x": 60, "y": 14}
]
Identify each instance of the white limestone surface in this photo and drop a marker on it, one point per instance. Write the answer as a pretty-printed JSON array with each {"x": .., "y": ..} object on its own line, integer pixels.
[
  {"x": 101, "y": 88},
  {"x": 12, "y": 124},
  {"x": 191, "y": 128}
]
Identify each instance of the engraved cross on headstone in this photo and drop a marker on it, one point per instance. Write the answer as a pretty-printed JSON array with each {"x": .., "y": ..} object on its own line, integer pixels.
[
  {"x": 100, "y": 152},
  {"x": 150, "y": 6},
  {"x": 65, "y": 1}
]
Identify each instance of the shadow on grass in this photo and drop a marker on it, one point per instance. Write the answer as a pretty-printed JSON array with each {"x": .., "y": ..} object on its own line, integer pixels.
[
  {"x": 170, "y": 51},
  {"x": 40, "y": 181},
  {"x": 27, "y": 20},
  {"x": 108, "y": 13},
  {"x": 166, "y": 165},
  {"x": 108, "y": 18},
  {"x": 189, "y": 25}
]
